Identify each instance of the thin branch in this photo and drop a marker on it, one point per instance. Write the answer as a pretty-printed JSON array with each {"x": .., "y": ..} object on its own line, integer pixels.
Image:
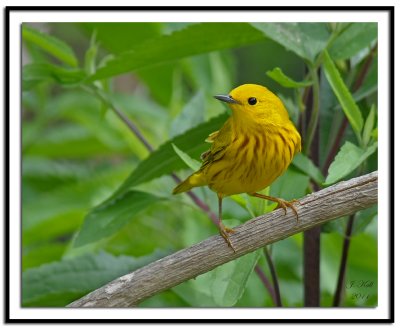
[
  {"x": 266, "y": 283},
  {"x": 131, "y": 125},
  {"x": 336, "y": 145},
  {"x": 203, "y": 206},
  {"x": 313, "y": 121},
  {"x": 339, "y": 200},
  {"x": 311, "y": 266},
  {"x": 343, "y": 263},
  {"x": 278, "y": 301},
  {"x": 311, "y": 245}
]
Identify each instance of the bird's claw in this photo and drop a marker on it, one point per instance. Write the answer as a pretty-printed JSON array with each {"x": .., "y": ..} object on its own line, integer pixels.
[
  {"x": 288, "y": 204},
  {"x": 224, "y": 232}
]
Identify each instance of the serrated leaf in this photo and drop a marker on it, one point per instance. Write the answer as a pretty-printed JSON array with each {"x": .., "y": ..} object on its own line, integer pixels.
[
  {"x": 348, "y": 159},
  {"x": 50, "y": 44},
  {"x": 164, "y": 160},
  {"x": 192, "y": 163},
  {"x": 304, "y": 39},
  {"x": 369, "y": 125},
  {"x": 192, "y": 40},
  {"x": 280, "y": 77},
  {"x": 229, "y": 280},
  {"x": 303, "y": 163},
  {"x": 354, "y": 38},
  {"x": 44, "y": 253},
  {"x": 342, "y": 93},
  {"x": 59, "y": 283},
  {"x": 108, "y": 218}
]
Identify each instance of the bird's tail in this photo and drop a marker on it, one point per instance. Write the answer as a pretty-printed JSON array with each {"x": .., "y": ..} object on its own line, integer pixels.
[{"x": 197, "y": 179}]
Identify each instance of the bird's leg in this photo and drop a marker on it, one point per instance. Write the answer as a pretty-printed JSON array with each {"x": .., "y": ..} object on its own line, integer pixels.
[
  {"x": 223, "y": 230},
  {"x": 281, "y": 203}
]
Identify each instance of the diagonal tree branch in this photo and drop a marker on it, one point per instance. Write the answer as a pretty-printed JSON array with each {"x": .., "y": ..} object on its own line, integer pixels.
[{"x": 315, "y": 209}]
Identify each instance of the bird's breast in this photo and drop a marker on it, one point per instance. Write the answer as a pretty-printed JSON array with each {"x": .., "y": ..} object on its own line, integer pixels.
[{"x": 252, "y": 162}]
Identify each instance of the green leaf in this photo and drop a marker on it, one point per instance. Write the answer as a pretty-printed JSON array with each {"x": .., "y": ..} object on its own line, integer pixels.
[
  {"x": 164, "y": 160},
  {"x": 303, "y": 163},
  {"x": 348, "y": 159},
  {"x": 353, "y": 39},
  {"x": 107, "y": 219},
  {"x": 374, "y": 134},
  {"x": 304, "y": 39},
  {"x": 342, "y": 93},
  {"x": 369, "y": 125},
  {"x": 70, "y": 141},
  {"x": 118, "y": 37},
  {"x": 33, "y": 74},
  {"x": 60, "y": 210},
  {"x": 192, "y": 163},
  {"x": 192, "y": 40},
  {"x": 291, "y": 185},
  {"x": 44, "y": 253},
  {"x": 90, "y": 56},
  {"x": 59, "y": 283},
  {"x": 191, "y": 115},
  {"x": 277, "y": 75},
  {"x": 370, "y": 83},
  {"x": 229, "y": 280},
  {"x": 363, "y": 219},
  {"x": 50, "y": 44},
  {"x": 197, "y": 292}
]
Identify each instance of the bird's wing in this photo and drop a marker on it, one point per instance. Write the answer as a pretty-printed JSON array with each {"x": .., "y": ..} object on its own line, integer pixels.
[{"x": 220, "y": 140}]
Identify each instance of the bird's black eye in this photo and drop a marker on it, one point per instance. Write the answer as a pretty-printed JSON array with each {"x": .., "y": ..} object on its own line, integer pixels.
[{"x": 252, "y": 100}]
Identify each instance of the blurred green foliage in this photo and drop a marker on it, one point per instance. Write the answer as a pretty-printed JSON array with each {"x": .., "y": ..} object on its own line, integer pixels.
[{"x": 97, "y": 204}]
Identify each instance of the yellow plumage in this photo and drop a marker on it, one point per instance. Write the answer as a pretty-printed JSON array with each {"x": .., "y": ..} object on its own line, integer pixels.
[{"x": 253, "y": 148}]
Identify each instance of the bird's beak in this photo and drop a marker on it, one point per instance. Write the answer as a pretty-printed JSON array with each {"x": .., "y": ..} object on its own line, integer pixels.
[{"x": 226, "y": 99}]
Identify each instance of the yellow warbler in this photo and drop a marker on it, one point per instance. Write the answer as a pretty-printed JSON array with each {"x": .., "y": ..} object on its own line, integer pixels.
[{"x": 253, "y": 148}]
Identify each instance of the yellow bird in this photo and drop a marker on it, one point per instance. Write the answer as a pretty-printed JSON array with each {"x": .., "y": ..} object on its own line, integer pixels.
[{"x": 252, "y": 149}]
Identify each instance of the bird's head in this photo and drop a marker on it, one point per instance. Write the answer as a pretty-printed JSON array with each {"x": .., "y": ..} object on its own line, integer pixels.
[{"x": 250, "y": 102}]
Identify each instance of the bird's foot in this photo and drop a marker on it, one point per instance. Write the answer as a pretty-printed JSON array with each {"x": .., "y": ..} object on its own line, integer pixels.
[
  {"x": 224, "y": 232},
  {"x": 281, "y": 203},
  {"x": 287, "y": 204}
]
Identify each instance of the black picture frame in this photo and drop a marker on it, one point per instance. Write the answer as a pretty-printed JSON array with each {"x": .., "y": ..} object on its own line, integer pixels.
[{"x": 11, "y": 9}]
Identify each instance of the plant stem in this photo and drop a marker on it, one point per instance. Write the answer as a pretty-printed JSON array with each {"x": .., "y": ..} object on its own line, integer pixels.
[
  {"x": 312, "y": 267},
  {"x": 336, "y": 146},
  {"x": 266, "y": 283},
  {"x": 131, "y": 125},
  {"x": 312, "y": 124},
  {"x": 343, "y": 262},
  {"x": 203, "y": 206},
  {"x": 278, "y": 301},
  {"x": 311, "y": 247},
  {"x": 133, "y": 128}
]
